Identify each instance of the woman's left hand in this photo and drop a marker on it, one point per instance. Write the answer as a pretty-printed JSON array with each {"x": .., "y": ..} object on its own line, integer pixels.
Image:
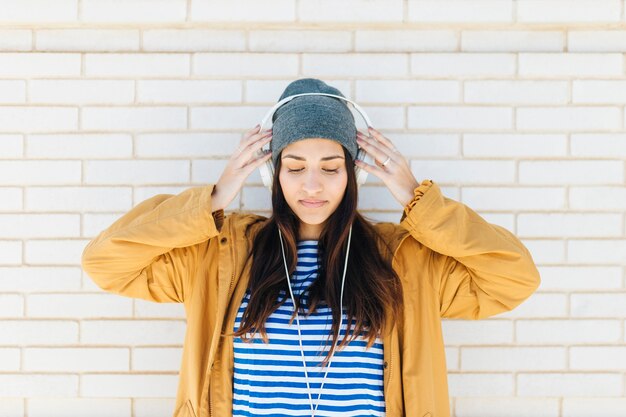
[{"x": 396, "y": 173}]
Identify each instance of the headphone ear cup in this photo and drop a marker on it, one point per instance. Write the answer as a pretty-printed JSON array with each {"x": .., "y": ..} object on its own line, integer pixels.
[
  {"x": 267, "y": 173},
  {"x": 361, "y": 174}
]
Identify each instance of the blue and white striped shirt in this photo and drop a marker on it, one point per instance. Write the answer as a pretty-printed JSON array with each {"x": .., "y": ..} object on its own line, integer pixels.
[{"x": 269, "y": 378}]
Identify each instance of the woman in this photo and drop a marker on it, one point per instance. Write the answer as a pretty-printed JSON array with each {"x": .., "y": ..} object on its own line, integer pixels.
[{"x": 242, "y": 354}]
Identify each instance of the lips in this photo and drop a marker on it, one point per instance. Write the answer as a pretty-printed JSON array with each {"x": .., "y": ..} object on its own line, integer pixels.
[{"x": 312, "y": 203}]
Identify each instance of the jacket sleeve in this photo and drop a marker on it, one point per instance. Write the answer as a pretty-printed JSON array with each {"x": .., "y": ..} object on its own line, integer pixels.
[
  {"x": 478, "y": 269},
  {"x": 152, "y": 251}
]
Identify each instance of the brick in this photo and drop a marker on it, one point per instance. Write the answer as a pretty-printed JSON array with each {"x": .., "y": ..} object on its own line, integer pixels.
[
  {"x": 231, "y": 117},
  {"x": 405, "y": 40},
  {"x": 462, "y": 64},
  {"x": 604, "y": 198},
  {"x": 522, "y": 198},
  {"x": 577, "y": 172},
  {"x": 79, "y": 305},
  {"x": 480, "y": 385},
  {"x": 245, "y": 64},
  {"x": 410, "y": 91},
  {"x": 351, "y": 11},
  {"x": 191, "y": 145},
  {"x": 569, "y": 64},
  {"x": 257, "y": 199},
  {"x": 81, "y": 146},
  {"x": 54, "y": 252},
  {"x": 81, "y": 40},
  {"x": 156, "y": 359},
  {"x": 11, "y": 146},
  {"x": 597, "y": 358},
  {"x": 465, "y": 171},
  {"x": 596, "y": 41},
  {"x": 580, "y": 277},
  {"x": 38, "y": 119},
  {"x": 16, "y": 385},
  {"x": 300, "y": 41},
  {"x": 492, "y": 407},
  {"x": 133, "y": 11},
  {"x": 502, "y": 145},
  {"x": 540, "y": 306},
  {"x": 459, "y": 117},
  {"x": 30, "y": 11},
  {"x": 569, "y": 385},
  {"x": 81, "y": 91},
  {"x": 546, "y": 250},
  {"x": 414, "y": 145},
  {"x": 78, "y": 199},
  {"x": 137, "y": 65},
  {"x": 38, "y": 332},
  {"x": 11, "y": 305},
  {"x": 567, "y": 331},
  {"x": 464, "y": 332},
  {"x": 516, "y": 92},
  {"x": 148, "y": 309},
  {"x": 582, "y": 407},
  {"x": 39, "y": 225},
  {"x": 137, "y": 172},
  {"x": 551, "y": 11},
  {"x": 512, "y": 41},
  {"x": 189, "y": 91},
  {"x": 568, "y": 118},
  {"x": 36, "y": 279},
  {"x": 94, "y": 224},
  {"x": 26, "y": 65},
  {"x": 16, "y": 39},
  {"x": 193, "y": 40},
  {"x": 151, "y": 407},
  {"x": 10, "y": 199},
  {"x": 9, "y": 361},
  {"x": 598, "y": 305},
  {"x": 12, "y": 91},
  {"x": 598, "y": 91},
  {"x": 78, "y": 407},
  {"x": 460, "y": 11},
  {"x": 569, "y": 225},
  {"x": 605, "y": 251},
  {"x": 513, "y": 358},
  {"x": 10, "y": 253},
  {"x": 355, "y": 65},
  {"x": 75, "y": 359},
  {"x": 598, "y": 144},
  {"x": 124, "y": 386},
  {"x": 209, "y": 171},
  {"x": 134, "y": 118},
  {"x": 135, "y": 332},
  {"x": 243, "y": 11}
]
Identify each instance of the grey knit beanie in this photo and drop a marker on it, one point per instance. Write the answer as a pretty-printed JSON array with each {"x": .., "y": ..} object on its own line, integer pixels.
[{"x": 312, "y": 117}]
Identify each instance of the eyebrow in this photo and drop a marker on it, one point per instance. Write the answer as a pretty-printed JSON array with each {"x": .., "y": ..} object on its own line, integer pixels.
[{"x": 326, "y": 158}]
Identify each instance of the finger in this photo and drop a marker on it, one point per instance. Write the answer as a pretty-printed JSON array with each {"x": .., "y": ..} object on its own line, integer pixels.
[
  {"x": 381, "y": 138},
  {"x": 374, "y": 150},
  {"x": 257, "y": 162},
  {"x": 248, "y": 135},
  {"x": 371, "y": 169},
  {"x": 252, "y": 146}
]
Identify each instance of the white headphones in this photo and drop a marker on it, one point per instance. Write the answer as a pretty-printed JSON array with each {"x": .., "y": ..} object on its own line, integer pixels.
[{"x": 267, "y": 169}]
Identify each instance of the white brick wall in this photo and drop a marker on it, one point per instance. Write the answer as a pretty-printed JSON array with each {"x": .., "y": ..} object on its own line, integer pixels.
[{"x": 515, "y": 107}]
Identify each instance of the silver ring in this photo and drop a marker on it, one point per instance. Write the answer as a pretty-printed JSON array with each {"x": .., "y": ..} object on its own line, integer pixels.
[{"x": 387, "y": 161}]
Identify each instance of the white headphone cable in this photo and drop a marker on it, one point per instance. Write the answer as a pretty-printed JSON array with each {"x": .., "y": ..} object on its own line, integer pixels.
[{"x": 306, "y": 375}]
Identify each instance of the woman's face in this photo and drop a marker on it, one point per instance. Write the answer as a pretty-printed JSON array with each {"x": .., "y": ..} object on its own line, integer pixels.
[{"x": 313, "y": 170}]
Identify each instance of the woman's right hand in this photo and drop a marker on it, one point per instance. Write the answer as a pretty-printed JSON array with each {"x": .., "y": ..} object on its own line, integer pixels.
[{"x": 240, "y": 165}]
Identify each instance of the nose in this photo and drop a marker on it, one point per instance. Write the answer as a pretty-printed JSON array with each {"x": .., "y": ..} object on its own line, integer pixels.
[{"x": 312, "y": 183}]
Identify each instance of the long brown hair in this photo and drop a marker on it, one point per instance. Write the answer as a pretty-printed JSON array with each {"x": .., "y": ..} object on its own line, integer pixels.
[{"x": 372, "y": 288}]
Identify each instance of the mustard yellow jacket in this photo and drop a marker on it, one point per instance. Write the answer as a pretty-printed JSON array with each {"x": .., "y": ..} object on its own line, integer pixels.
[{"x": 175, "y": 248}]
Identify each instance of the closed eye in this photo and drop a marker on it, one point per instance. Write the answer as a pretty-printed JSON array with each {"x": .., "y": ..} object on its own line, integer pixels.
[{"x": 327, "y": 170}]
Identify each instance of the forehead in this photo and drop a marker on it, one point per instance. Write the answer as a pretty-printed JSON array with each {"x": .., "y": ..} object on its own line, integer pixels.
[{"x": 313, "y": 148}]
